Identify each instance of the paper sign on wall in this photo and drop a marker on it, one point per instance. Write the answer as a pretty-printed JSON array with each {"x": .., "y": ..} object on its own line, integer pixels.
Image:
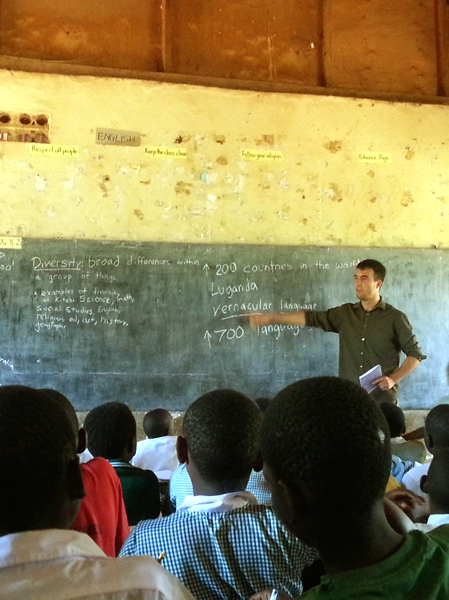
[
  {"x": 11, "y": 242},
  {"x": 258, "y": 155},
  {"x": 164, "y": 152},
  {"x": 54, "y": 150},
  {"x": 117, "y": 137},
  {"x": 375, "y": 157}
]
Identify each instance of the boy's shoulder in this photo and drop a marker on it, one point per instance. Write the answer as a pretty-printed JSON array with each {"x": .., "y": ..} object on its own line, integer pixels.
[
  {"x": 440, "y": 535},
  {"x": 420, "y": 561},
  {"x": 129, "y": 470}
]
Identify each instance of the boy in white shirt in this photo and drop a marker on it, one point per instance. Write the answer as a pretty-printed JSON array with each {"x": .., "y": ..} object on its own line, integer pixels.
[
  {"x": 157, "y": 452},
  {"x": 40, "y": 495}
]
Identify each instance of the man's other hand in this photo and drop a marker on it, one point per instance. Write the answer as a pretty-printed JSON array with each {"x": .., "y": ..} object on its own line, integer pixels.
[{"x": 384, "y": 383}]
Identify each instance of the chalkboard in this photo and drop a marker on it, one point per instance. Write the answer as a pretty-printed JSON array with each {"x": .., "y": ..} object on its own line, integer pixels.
[{"x": 155, "y": 324}]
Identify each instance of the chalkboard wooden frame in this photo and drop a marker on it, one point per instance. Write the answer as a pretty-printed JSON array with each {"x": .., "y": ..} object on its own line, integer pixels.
[{"x": 159, "y": 324}]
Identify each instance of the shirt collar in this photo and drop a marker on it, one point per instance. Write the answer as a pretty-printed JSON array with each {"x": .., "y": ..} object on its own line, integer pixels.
[
  {"x": 45, "y": 544},
  {"x": 221, "y": 503},
  {"x": 436, "y": 520},
  {"x": 119, "y": 463},
  {"x": 166, "y": 439},
  {"x": 382, "y": 304}
]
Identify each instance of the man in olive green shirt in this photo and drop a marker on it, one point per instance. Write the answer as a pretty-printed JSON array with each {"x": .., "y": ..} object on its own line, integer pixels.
[
  {"x": 371, "y": 332},
  {"x": 326, "y": 452}
]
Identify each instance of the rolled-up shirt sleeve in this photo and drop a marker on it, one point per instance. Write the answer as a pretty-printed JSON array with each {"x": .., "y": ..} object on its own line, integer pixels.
[{"x": 406, "y": 338}]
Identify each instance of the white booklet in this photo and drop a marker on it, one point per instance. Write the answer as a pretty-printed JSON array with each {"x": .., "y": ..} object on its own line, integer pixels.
[{"x": 366, "y": 380}]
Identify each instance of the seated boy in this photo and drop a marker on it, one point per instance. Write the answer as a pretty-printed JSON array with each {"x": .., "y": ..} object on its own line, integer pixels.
[
  {"x": 220, "y": 542},
  {"x": 111, "y": 434},
  {"x": 181, "y": 486},
  {"x": 326, "y": 452},
  {"x": 436, "y": 437},
  {"x": 102, "y": 514},
  {"x": 158, "y": 452},
  {"x": 436, "y": 485},
  {"x": 40, "y": 496},
  {"x": 410, "y": 451}
]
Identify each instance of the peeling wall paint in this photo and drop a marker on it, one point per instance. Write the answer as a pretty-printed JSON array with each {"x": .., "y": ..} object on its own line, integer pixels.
[{"x": 306, "y": 186}]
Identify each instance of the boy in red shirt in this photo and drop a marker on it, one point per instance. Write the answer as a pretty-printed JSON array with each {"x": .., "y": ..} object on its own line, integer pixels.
[{"x": 102, "y": 514}]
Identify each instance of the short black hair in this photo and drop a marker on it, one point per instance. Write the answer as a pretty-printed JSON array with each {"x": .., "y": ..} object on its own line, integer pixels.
[
  {"x": 36, "y": 444},
  {"x": 157, "y": 422},
  {"x": 330, "y": 435},
  {"x": 438, "y": 480},
  {"x": 380, "y": 271},
  {"x": 395, "y": 418},
  {"x": 221, "y": 429},
  {"x": 66, "y": 405},
  {"x": 110, "y": 428},
  {"x": 437, "y": 426}
]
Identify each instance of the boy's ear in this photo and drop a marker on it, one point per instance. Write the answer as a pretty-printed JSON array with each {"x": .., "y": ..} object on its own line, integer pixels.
[
  {"x": 132, "y": 446},
  {"x": 182, "y": 450},
  {"x": 296, "y": 498},
  {"x": 258, "y": 463},
  {"x": 75, "y": 480},
  {"x": 295, "y": 507},
  {"x": 81, "y": 441},
  {"x": 423, "y": 484},
  {"x": 299, "y": 514}
]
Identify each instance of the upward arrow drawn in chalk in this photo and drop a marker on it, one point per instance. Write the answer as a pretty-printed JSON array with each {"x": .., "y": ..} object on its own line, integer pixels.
[{"x": 208, "y": 336}]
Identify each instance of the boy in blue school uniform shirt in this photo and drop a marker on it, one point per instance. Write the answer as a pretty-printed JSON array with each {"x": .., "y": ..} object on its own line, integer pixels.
[{"x": 221, "y": 543}]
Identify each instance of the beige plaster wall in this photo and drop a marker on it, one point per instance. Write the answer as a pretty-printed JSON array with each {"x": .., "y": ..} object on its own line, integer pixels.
[{"x": 318, "y": 193}]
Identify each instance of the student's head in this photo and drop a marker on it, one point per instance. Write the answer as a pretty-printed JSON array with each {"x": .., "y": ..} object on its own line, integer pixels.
[
  {"x": 41, "y": 479},
  {"x": 111, "y": 431},
  {"x": 395, "y": 418},
  {"x": 157, "y": 423},
  {"x": 220, "y": 439},
  {"x": 436, "y": 482},
  {"x": 436, "y": 428},
  {"x": 379, "y": 270},
  {"x": 325, "y": 446}
]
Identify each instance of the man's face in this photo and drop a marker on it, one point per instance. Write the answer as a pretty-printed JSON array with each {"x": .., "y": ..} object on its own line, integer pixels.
[{"x": 366, "y": 286}]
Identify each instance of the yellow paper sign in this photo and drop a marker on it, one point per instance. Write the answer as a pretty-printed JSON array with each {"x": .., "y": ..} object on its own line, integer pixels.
[
  {"x": 164, "y": 152},
  {"x": 11, "y": 242},
  {"x": 271, "y": 155},
  {"x": 375, "y": 157},
  {"x": 54, "y": 150}
]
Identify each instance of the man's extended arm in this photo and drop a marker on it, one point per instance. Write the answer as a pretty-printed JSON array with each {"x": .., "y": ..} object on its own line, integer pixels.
[
  {"x": 293, "y": 318},
  {"x": 388, "y": 381}
]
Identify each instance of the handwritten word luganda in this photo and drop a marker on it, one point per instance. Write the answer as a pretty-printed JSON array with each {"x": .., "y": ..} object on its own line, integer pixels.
[{"x": 230, "y": 290}]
